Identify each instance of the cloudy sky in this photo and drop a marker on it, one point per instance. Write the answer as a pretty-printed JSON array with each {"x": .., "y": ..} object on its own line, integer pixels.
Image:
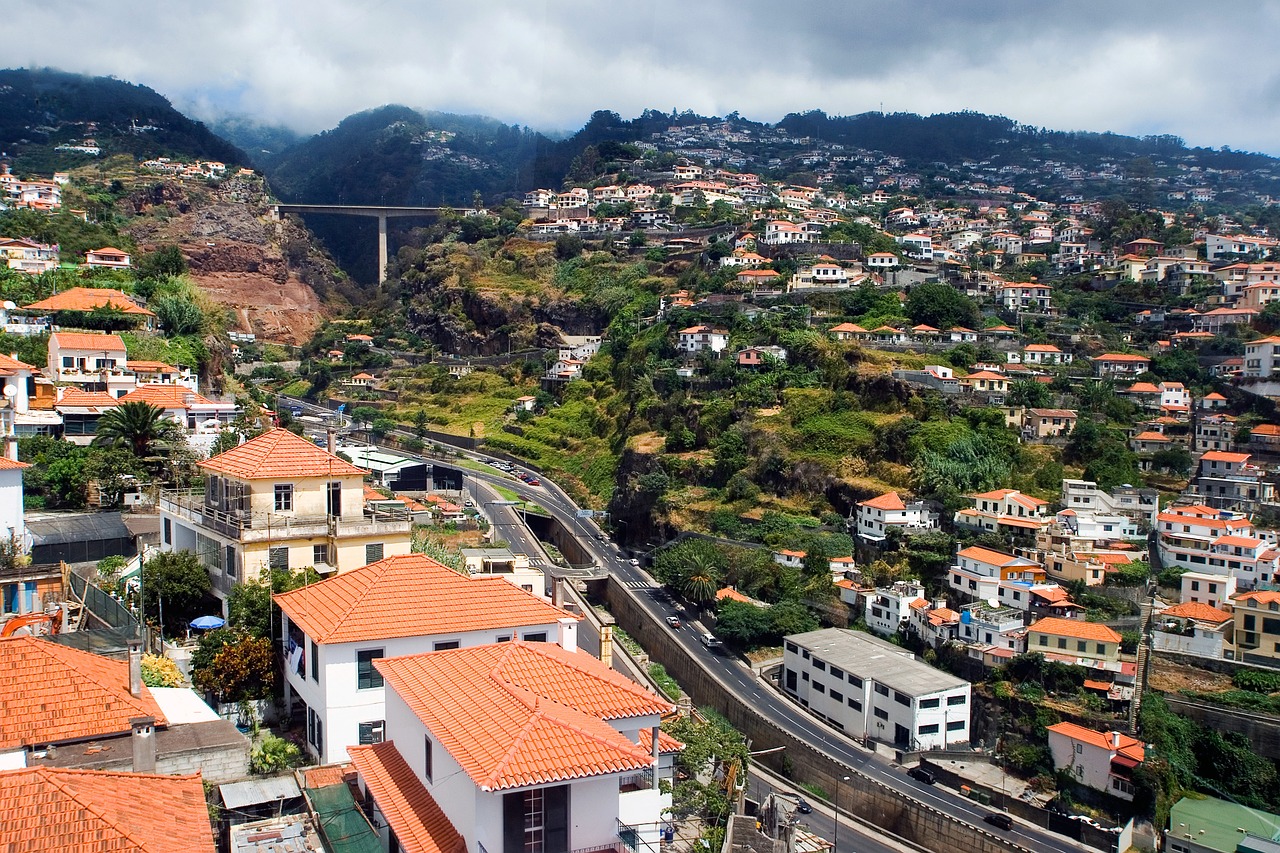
[{"x": 1206, "y": 72}]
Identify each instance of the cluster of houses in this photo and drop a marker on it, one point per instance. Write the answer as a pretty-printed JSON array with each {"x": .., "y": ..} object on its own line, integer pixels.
[{"x": 34, "y": 258}]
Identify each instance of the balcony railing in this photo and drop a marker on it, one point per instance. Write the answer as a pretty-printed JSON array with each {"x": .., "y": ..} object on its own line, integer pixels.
[
  {"x": 641, "y": 781},
  {"x": 247, "y": 526}
]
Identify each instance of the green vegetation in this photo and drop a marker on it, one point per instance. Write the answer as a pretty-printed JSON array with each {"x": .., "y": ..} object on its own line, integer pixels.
[
  {"x": 181, "y": 582},
  {"x": 669, "y": 685}
]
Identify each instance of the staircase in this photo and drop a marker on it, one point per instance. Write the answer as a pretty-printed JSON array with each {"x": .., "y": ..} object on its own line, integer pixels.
[{"x": 1140, "y": 676}]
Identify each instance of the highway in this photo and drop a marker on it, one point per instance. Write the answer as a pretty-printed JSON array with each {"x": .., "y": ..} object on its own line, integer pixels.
[{"x": 741, "y": 680}]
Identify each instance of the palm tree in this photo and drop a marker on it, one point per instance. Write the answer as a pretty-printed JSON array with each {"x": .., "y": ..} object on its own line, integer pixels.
[
  {"x": 701, "y": 578},
  {"x": 139, "y": 426}
]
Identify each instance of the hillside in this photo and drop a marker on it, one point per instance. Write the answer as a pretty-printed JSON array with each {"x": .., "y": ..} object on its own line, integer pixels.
[{"x": 44, "y": 108}]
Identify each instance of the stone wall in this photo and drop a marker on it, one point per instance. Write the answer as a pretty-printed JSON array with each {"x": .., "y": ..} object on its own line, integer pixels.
[{"x": 1262, "y": 731}]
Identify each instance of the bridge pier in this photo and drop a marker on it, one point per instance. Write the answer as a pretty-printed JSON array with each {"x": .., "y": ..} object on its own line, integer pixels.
[{"x": 382, "y": 249}]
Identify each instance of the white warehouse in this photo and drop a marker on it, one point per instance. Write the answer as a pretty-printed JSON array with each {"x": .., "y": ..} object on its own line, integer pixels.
[{"x": 866, "y": 686}]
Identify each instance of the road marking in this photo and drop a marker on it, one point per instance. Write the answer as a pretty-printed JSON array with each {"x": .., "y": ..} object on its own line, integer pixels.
[{"x": 640, "y": 585}]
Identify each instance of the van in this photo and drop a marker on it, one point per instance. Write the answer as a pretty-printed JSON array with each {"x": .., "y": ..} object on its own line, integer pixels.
[
  {"x": 999, "y": 820},
  {"x": 711, "y": 642}
]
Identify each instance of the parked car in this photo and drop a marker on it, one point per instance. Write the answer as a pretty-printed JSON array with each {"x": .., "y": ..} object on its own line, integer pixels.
[
  {"x": 673, "y": 622},
  {"x": 921, "y": 775},
  {"x": 533, "y": 482},
  {"x": 803, "y": 806},
  {"x": 1000, "y": 820}
]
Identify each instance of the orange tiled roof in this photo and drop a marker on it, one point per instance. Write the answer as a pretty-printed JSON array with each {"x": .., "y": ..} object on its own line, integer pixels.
[
  {"x": 1121, "y": 356},
  {"x": 1262, "y": 596},
  {"x": 10, "y": 363},
  {"x": 1128, "y": 746},
  {"x": 417, "y": 820},
  {"x": 151, "y": 367},
  {"x": 87, "y": 399},
  {"x": 1077, "y": 628},
  {"x": 279, "y": 454},
  {"x": 889, "y": 500},
  {"x": 732, "y": 595},
  {"x": 165, "y": 396},
  {"x": 96, "y": 811},
  {"x": 986, "y": 555},
  {"x": 51, "y": 693},
  {"x": 410, "y": 595},
  {"x": 87, "y": 299},
  {"x": 515, "y": 714},
  {"x": 1224, "y": 456},
  {"x": 89, "y": 341},
  {"x": 1197, "y": 610}
]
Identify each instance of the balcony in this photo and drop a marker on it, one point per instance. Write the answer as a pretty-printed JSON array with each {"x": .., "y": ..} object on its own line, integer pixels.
[{"x": 246, "y": 527}]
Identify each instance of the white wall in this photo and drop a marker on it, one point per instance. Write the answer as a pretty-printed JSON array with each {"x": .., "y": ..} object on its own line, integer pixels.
[{"x": 11, "y": 523}]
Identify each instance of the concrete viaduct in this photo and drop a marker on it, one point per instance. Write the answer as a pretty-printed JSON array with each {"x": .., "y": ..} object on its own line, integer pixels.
[{"x": 381, "y": 212}]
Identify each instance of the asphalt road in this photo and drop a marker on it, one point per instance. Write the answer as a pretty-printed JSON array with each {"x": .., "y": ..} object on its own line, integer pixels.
[{"x": 821, "y": 821}]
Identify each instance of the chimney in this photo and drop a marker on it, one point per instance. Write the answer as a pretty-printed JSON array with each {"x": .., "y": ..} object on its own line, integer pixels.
[
  {"x": 143, "y": 738},
  {"x": 11, "y": 448},
  {"x": 333, "y": 442},
  {"x": 135, "y": 667},
  {"x": 1115, "y": 740},
  {"x": 606, "y": 639}
]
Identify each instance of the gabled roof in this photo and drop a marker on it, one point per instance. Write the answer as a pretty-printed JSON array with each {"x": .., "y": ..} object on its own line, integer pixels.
[
  {"x": 1123, "y": 744},
  {"x": 516, "y": 714},
  {"x": 889, "y": 500},
  {"x": 1040, "y": 348},
  {"x": 165, "y": 396},
  {"x": 87, "y": 299},
  {"x": 1011, "y": 494},
  {"x": 410, "y": 595},
  {"x": 51, "y": 693},
  {"x": 10, "y": 363},
  {"x": 96, "y": 811},
  {"x": 994, "y": 558},
  {"x": 1142, "y": 388},
  {"x": 74, "y": 398},
  {"x": 417, "y": 820},
  {"x": 279, "y": 455},
  {"x": 1120, "y": 356},
  {"x": 88, "y": 340},
  {"x": 1077, "y": 628},
  {"x": 140, "y": 366},
  {"x": 1150, "y": 435}
]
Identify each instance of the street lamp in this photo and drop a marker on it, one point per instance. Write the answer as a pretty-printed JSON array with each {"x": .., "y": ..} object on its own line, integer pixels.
[{"x": 835, "y": 836}]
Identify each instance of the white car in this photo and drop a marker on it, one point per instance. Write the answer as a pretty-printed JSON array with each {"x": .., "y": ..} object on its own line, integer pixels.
[{"x": 634, "y": 561}]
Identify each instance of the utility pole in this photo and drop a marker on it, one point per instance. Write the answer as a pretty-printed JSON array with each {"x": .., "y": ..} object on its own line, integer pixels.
[{"x": 835, "y": 840}]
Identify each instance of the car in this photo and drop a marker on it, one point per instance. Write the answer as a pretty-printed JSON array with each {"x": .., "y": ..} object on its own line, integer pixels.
[
  {"x": 534, "y": 482},
  {"x": 921, "y": 775},
  {"x": 525, "y": 477},
  {"x": 468, "y": 502},
  {"x": 802, "y": 806},
  {"x": 673, "y": 622},
  {"x": 710, "y": 641},
  {"x": 1000, "y": 820},
  {"x": 633, "y": 561}
]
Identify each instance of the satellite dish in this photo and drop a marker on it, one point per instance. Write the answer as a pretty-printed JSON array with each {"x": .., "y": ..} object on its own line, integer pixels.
[
  {"x": 994, "y": 602},
  {"x": 10, "y": 391},
  {"x": 10, "y": 305}
]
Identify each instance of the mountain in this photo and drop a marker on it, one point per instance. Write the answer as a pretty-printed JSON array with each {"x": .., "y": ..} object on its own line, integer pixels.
[
  {"x": 43, "y": 108},
  {"x": 258, "y": 141}
]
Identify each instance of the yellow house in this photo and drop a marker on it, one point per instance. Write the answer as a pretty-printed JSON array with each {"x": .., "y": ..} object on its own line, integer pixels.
[
  {"x": 1089, "y": 643},
  {"x": 279, "y": 501}
]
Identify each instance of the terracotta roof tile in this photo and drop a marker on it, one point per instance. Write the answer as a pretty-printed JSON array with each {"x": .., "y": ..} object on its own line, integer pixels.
[
  {"x": 410, "y": 595},
  {"x": 995, "y": 558},
  {"x": 1197, "y": 610},
  {"x": 889, "y": 500},
  {"x": 76, "y": 398},
  {"x": 516, "y": 714},
  {"x": 89, "y": 341},
  {"x": 139, "y": 366},
  {"x": 1077, "y": 628},
  {"x": 417, "y": 820},
  {"x": 95, "y": 811},
  {"x": 1121, "y": 356},
  {"x": 51, "y": 693},
  {"x": 87, "y": 299},
  {"x": 10, "y": 363},
  {"x": 165, "y": 396},
  {"x": 1102, "y": 740},
  {"x": 1224, "y": 456},
  {"x": 279, "y": 454}
]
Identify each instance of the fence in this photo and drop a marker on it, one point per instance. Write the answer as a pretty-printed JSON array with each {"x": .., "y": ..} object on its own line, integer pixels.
[{"x": 105, "y": 609}]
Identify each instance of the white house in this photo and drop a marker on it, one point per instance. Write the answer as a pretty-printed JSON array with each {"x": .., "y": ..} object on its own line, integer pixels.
[
  {"x": 95, "y": 362},
  {"x": 999, "y": 627},
  {"x": 1004, "y": 511},
  {"x": 334, "y": 630},
  {"x": 866, "y": 686},
  {"x": 1261, "y": 357},
  {"x": 504, "y": 563},
  {"x": 887, "y": 512},
  {"x": 882, "y": 261},
  {"x": 702, "y": 339},
  {"x": 978, "y": 571},
  {"x": 515, "y": 747},
  {"x": 1104, "y": 761},
  {"x": 889, "y": 608},
  {"x": 1204, "y": 588},
  {"x": 1194, "y": 628},
  {"x": 917, "y": 245}
]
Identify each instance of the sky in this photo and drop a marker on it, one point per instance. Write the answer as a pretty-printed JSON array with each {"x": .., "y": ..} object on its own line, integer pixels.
[{"x": 1205, "y": 72}]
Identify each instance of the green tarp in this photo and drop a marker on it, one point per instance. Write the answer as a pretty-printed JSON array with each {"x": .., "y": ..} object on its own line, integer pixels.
[{"x": 342, "y": 823}]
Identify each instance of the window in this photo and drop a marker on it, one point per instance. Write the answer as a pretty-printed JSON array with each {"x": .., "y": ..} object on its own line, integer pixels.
[
  {"x": 955, "y": 726},
  {"x": 837, "y": 696},
  {"x": 1081, "y": 646},
  {"x": 373, "y": 553},
  {"x": 68, "y": 361},
  {"x": 320, "y": 555},
  {"x": 902, "y": 698},
  {"x": 955, "y": 700},
  {"x": 929, "y": 703},
  {"x": 168, "y": 531},
  {"x": 1101, "y": 649},
  {"x": 1062, "y": 642},
  {"x": 1079, "y": 749},
  {"x": 537, "y": 637},
  {"x": 804, "y": 653},
  {"x": 792, "y": 647},
  {"x": 931, "y": 729},
  {"x": 315, "y": 730},
  {"x": 855, "y": 681},
  {"x": 284, "y": 497},
  {"x": 880, "y": 713},
  {"x": 1044, "y": 641},
  {"x": 854, "y": 704},
  {"x": 505, "y": 638},
  {"x": 374, "y": 732},
  {"x": 444, "y": 645},
  {"x": 882, "y": 690},
  {"x": 278, "y": 558},
  {"x": 819, "y": 687},
  {"x": 367, "y": 678},
  {"x": 333, "y": 498},
  {"x": 819, "y": 665},
  {"x": 837, "y": 674},
  {"x": 427, "y": 763},
  {"x": 315, "y": 662}
]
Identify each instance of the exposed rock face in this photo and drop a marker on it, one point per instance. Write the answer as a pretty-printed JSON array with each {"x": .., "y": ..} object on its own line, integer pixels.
[{"x": 269, "y": 274}]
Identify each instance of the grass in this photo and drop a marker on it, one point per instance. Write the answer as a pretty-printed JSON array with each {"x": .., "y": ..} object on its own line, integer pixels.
[
  {"x": 663, "y": 679},
  {"x": 815, "y": 790}
]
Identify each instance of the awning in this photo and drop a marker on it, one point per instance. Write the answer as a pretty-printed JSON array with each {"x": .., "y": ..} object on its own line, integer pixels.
[{"x": 239, "y": 795}]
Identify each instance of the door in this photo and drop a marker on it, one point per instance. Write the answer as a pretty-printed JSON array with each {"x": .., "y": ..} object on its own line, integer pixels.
[{"x": 333, "y": 499}]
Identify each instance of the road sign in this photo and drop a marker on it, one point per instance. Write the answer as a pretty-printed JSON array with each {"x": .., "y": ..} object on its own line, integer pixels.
[{"x": 585, "y": 513}]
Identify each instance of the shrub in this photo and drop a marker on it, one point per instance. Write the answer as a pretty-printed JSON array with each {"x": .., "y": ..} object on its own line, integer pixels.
[
  {"x": 159, "y": 671},
  {"x": 273, "y": 754},
  {"x": 1258, "y": 682}
]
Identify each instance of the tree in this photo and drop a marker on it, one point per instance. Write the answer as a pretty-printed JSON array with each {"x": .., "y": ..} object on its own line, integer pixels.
[
  {"x": 941, "y": 306},
  {"x": 568, "y": 246},
  {"x": 139, "y": 426},
  {"x": 164, "y": 262},
  {"x": 243, "y": 669},
  {"x": 742, "y": 623},
  {"x": 1029, "y": 393},
  {"x": 178, "y": 583},
  {"x": 178, "y": 315},
  {"x": 273, "y": 754}
]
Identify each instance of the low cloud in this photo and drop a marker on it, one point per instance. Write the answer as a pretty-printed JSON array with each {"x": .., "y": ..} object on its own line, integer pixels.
[{"x": 1146, "y": 66}]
